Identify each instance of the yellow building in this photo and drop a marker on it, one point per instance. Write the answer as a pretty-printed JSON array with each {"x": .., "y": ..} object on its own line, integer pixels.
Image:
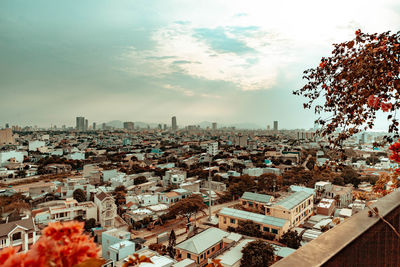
[
  {"x": 295, "y": 208},
  {"x": 228, "y": 217}
]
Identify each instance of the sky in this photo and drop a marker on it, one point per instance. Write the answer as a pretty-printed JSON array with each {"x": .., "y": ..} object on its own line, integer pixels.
[{"x": 143, "y": 60}]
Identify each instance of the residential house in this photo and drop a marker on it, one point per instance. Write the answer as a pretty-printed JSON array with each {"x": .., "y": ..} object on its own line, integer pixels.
[
  {"x": 121, "y": 240},
  {"x": 201, "y": 246},
  {"x": 20, "y": 233},
  {"x": 66, "y": 210},
  {"x": 326, "y": 207},
  {"x": 106, "y": 209}
]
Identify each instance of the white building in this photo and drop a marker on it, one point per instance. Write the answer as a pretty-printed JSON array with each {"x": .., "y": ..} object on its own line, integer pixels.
[
  {"x": 212, "y": 148},
  {"x": 20, "y": 233},
  {"x": 66, "y": 210},
  {"x": 35, "y": 145},
  {"x": 8, "y": 156},
  {"x": 107, "y": 210}
]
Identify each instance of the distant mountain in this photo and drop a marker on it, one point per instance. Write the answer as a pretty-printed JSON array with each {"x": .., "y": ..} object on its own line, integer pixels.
[{"x": 115, "y": 124}]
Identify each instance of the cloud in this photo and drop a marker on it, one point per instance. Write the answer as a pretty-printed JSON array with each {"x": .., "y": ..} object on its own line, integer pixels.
[{"x": 247, "y": 56}]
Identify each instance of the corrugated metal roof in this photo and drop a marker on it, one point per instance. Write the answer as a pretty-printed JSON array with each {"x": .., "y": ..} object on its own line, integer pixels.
[
  {"x": 202, "y": 241},
  {"x": 256, "y": 197},
  {"x": 253, "y": 217},
  {"x": 293, "y": 200}
]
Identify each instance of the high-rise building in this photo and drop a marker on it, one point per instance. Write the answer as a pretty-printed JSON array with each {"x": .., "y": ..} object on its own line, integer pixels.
[
  {"x": 276, "y": 126},
  {"x": 214, "y": 126},
  {"x": 128, "y": 125},
  {"x": 6, "y": 137},
  {"x": 212, "y": 148},
  {"x": 7, "y": 125},
  {"x": 86, "y": 125},
  {"x": 80, "y": 123},
  {"x": 94, "y": 126},
  {"x": 165, "y": 127},
  {"x": 174, "y": 125}
]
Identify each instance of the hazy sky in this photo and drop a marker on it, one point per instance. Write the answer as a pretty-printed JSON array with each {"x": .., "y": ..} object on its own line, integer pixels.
[{"x": 225, "y": 61}]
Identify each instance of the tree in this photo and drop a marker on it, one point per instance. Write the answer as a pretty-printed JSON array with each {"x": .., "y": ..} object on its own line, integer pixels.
[
  {"x": 249, "y": 228},
  {"x": 79, "y": 195},
  {"x": 257, "y": 253},
  {"x": 291, "y": 239},
  {"x": 171, "y": 244},
  {"x": 187, "y": 207},
  {"x": 359, "y": 79},
  {"x": 89, "y": 224},
  {"x": 140, "y": 180}
]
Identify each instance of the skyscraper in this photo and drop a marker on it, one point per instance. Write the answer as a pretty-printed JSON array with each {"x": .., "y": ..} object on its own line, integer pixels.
[
  {"x": 174, "y": 125},
  {"x": 94, "y": 126},
  {"x": 80, "y": 123},
  {"x": 86, "y": 125},
  {"x": 276, "y": 126},
  {"x": 128, "y": 125},
  {"x": 214, "y": 126}
]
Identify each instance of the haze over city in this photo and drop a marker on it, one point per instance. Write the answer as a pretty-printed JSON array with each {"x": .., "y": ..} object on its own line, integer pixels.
[{"x": 224, "y": 61}]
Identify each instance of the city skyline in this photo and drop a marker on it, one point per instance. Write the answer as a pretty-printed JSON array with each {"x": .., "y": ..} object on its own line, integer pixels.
[{"x": 217, "y": 62}]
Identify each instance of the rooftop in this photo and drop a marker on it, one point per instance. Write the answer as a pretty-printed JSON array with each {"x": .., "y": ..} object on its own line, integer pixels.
[
  {"x": 202, "y": 241},
  {"x": 253, "y": 217},
  {"x": 257, "y": 197},
  {"x": 293, "y": 200}
]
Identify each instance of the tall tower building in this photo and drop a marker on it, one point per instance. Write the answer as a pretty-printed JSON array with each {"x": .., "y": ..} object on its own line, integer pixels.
[
  {"x": 128, "y": 125},
  {"x": 86, "y": 125},
  {"x": 94, "y": 126},
  {"x": 214, "y": 126},
  {"x": 275, "y": 126},
  {"x": 80, "y": 123},
  {"x": 174, "y": 125}
]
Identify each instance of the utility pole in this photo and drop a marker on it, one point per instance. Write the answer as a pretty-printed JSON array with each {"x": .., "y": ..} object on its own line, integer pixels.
[{"x": 209, "y": 188}]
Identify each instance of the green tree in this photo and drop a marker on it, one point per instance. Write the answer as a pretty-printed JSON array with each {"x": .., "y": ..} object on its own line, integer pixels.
[
  {"x": 79, "y": 195},
  {"x": 187, "y": 207},
  {"x": 291, "y": 239},
  {"x": 89, "y": 224},
  {"x": 171, "y": 244},
  {"x": 249, "y": 228},
  {"x": 257, "y": 253}
]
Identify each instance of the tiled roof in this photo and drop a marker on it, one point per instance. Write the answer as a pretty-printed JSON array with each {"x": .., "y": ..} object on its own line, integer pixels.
[
  {"x": 255, "y": 217},
  {"x": 293, "y": 200},
  {"x": 5, "y": 228},
  {"x": 202, "y": 241},
  {"x": 256, "y": 197},
  {"x": 102, "y": 195}
]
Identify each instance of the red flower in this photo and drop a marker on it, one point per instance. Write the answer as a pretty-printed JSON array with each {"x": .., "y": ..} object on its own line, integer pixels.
[
  {"x": 386, "y": 106},
  {"x": 322, "y": 64},
  {"x": 62, "y": 244},
  {"x": 358, "y": 32},
  {"x": 373, "y": 101}
]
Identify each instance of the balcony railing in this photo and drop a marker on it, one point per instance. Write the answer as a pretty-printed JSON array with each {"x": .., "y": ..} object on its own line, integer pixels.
[{"x": 358, "y": 241}]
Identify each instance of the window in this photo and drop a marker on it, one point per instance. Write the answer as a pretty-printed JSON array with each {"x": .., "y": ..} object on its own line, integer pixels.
[
  {"x": 266, "y": 229},
  {"x": 224, "y": 220},
  {"x": 16, "y": 236},
  {"x": 188, "y": 255},
  {"x": 274, "y": 231},
  {"x": 233, "y": 220},
  {"x": 201, "y": 256},
  {"x": 212, "y": 249},
  {"x": 208, "y": 252},
  {"x": 30, "y": 235}
]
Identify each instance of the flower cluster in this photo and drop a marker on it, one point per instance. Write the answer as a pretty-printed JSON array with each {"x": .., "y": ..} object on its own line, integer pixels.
[
  {"x": 62, "y": 244},
  {"x": 375, "y": 102},
  {"x": 395, "y": 148}
]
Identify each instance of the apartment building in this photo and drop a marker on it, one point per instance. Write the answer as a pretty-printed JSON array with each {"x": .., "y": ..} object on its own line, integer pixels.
[
  {"x": 228, "y": 217},
  {"x": 255, "y": 201},
  {"x": 296, "y": 208}
]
